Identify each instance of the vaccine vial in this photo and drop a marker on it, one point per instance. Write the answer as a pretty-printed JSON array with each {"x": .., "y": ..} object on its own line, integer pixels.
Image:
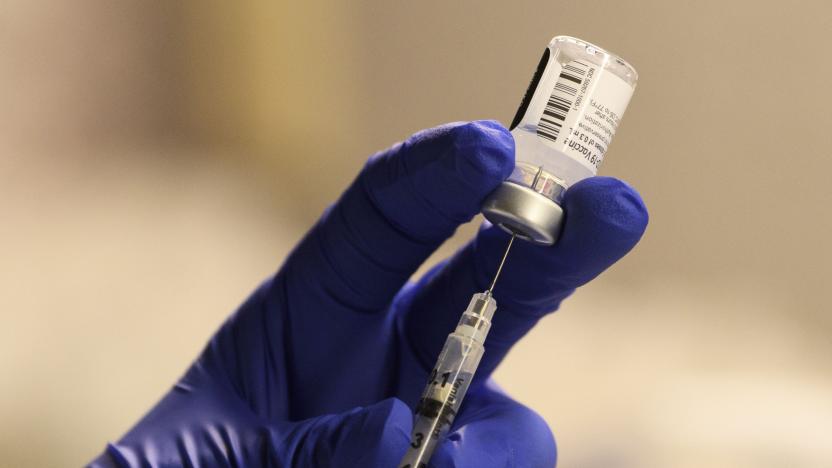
[{"x": 562, "y": 130}]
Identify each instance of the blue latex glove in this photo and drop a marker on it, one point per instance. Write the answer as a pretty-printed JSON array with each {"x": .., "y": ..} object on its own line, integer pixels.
[{"x": 325, "y": 361}]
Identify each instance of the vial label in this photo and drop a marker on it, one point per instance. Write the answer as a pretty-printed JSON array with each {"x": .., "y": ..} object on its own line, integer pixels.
[{"x": 583, "y": 111}]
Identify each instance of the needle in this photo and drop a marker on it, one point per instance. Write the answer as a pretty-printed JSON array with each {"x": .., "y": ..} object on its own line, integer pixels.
[
  {"x": 511, "y": 241},
  {"x": 500, "y": 268}
]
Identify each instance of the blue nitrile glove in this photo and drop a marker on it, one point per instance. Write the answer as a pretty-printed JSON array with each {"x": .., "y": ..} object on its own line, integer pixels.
[{"x": 324, "y": 363}]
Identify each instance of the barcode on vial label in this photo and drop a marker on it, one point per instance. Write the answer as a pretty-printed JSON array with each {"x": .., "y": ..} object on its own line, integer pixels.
[{"x": 561, "y": 100}]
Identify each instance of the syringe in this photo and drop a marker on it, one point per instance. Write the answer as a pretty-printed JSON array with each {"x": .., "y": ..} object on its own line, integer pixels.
[
  {"x": 451, "y": 376},
  {"x": 583, "y": 90}
]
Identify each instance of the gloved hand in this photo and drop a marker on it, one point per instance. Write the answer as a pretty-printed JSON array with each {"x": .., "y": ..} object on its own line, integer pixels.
[{"x": 325, "y": 361}]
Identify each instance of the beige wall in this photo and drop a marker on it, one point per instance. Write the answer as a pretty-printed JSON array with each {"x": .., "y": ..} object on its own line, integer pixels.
[
  {"x": 726, "y": 136},
  {"x": 157, "y": 159}
]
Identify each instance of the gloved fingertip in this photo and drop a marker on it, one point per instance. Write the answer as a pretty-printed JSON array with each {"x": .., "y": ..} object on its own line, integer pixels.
[
  {"x": 379, "y": 435},
  {"x": 606, "y": 206},
  {"x": 486, "y": 153},
  {"x": 393, "y": 418}
]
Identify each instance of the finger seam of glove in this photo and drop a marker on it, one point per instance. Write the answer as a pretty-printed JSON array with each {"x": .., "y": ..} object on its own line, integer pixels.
[
  {"x": 368, "y": 255},
  {"x": 429, "y": 207},
  {"x": 427, "y": 202},
  {"x": 402, "y": 309},
  {"x": 327, "y": 257}
]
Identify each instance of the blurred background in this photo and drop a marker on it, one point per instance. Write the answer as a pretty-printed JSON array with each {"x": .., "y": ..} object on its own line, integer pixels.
[{"x": 158, "y": 159}]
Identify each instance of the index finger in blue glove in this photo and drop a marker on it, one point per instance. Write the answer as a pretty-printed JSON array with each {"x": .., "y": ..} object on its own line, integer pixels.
[
  {"x": 319, "y": 321},
  {"x": 343, "y": 275},
  {"x": 605, "y": 218},
  {"x": 402, "y": 206}
]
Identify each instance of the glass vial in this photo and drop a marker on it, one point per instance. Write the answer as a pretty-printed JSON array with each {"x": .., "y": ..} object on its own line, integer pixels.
[{"x": 562, "y": 130}]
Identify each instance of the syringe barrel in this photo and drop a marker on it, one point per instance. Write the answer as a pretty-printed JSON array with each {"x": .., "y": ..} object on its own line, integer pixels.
[{"x": 449, "y": 381}]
